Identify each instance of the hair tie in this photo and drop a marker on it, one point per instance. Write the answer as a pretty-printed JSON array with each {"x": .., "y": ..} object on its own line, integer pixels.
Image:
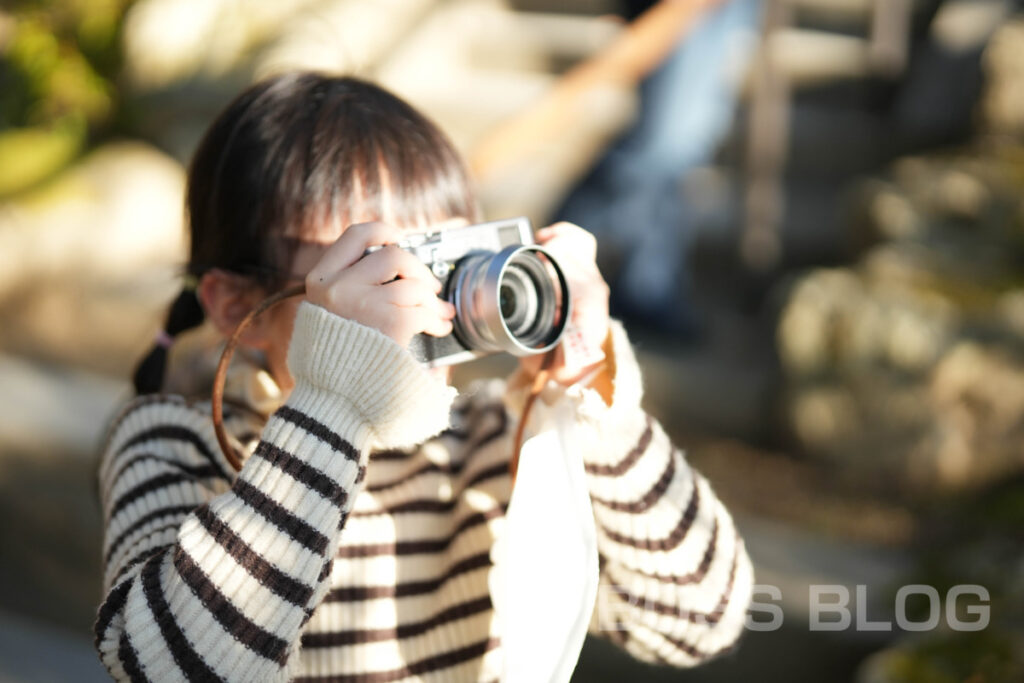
[{"x": 163, "y": 340}]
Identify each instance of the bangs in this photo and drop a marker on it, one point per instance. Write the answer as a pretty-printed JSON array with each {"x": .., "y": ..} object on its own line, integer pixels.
[
  {"x": 302, "y": 156},
  {"x": 369, "y": 156}
]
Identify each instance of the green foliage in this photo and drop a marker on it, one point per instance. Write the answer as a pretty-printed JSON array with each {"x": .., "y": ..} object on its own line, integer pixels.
[
  {"x": 30, "y": 155},
  {"x": 982, "y": 657},
  {"x": 59, "y": 64}
]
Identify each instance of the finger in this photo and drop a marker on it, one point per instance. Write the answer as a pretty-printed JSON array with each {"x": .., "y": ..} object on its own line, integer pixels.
[
  {"x": 547, "y": 233},
  {"x": 402, "y": 323},
  {"x": 406, "y": 293},
  {"x": 390, "y": 263},
  {"x": 351, "y": 246},
  {"x": 583, "y": 278},
  {"x": 444, "y": 308},
  {"x": 559, "y": 229},
  {"x": 577, "y": 241},
  {"x": 415, "y": 292},
  {"x": 430, "y": 322},
  {"x": 569, "y": 257}
]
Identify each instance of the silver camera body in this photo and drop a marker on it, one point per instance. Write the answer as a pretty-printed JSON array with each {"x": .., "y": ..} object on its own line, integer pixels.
[{"x": 509, "y": 293}]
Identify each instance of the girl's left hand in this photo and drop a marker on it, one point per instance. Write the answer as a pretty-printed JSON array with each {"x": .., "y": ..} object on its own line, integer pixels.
[{"x": 575, "y": 249}]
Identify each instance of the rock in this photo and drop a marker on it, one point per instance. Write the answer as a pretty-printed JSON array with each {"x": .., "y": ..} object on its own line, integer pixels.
[
  {"x": 55, "y": 412},
  {"x": 1009, "y": 312},
  {"x": 88, "y": 262},
  {"x": 841, "y": 320},
  {"x": 167, "y": 41},
  {"x": 914, "y": 327},
  {"x": 863, "y": 427},
  {"x": 118, "y": 211},
  {"x": 823, "y": 416},
  {"x": 882, "y": 376},
  {"x": 100, "y": 326},
  {"x": 893, "y": 215},
  {"x": 1002, "y": 105},
  {"x": 962, "y": 194},
  {"x": 953, "y": 197},
  {"x": 976, "y": 398},
  {"x": 814, "y": 320},
  {"x": 343, "y": 36}
]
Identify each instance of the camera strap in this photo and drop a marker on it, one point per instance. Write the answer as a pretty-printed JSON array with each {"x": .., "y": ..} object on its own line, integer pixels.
[{"x": 231, "y": 454}]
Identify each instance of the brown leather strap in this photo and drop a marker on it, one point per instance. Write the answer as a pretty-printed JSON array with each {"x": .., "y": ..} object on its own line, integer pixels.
[
  {"x": 222, "y": 370},
  {"x": 539, "y": 380}
]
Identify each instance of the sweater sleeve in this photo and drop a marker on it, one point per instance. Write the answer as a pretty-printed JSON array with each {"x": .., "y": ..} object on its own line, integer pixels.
[
  {"x": 211, "y": 576},
  {"x": 675, "y": 579}
]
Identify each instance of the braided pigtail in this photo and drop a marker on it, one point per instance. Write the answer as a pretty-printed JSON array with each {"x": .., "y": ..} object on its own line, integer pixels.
[{"x": 185, "y": 313}]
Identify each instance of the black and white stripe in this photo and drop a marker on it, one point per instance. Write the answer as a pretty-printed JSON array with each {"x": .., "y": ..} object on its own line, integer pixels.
[{"x": 214, "y": 576}]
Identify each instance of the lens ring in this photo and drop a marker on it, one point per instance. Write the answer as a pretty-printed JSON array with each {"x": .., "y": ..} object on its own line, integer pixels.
[
  {"x": 479, "y": 323},
  {"x": 520, "y": 298},
  {"x": 528, "y": 277}
]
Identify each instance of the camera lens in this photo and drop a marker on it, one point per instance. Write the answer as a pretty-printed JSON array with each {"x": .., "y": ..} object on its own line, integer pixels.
[
  {"x": 531, "y": 299},
  {"x": 507, "y": 302},
  {"x": 515, "y": 301}
]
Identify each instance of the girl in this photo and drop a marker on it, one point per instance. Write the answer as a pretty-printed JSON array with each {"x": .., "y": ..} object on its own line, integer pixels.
[{"x": 354, "y": 544}]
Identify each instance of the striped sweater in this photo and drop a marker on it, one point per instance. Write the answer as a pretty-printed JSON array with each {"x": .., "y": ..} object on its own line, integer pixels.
[{"x": 354, "y": 544}]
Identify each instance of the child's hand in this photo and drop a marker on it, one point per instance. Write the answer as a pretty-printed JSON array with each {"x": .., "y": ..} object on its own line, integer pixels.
[
  {"x": 389, "y": 289},
  {"x": 575, "y": 249}
]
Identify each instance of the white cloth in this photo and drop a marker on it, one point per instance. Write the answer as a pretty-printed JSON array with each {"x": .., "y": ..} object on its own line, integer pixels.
[{"x": 544, "y": 584}]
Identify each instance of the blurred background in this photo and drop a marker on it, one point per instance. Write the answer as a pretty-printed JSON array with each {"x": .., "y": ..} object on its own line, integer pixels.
[{"x": 811, "y": 213}]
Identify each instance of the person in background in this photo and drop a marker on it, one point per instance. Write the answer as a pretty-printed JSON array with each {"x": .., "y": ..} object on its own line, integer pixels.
[{"x": 632, "y": 199}]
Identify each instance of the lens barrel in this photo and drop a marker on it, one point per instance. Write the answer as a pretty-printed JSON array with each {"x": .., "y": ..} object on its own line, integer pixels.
[{"x": 516, "y": 300}]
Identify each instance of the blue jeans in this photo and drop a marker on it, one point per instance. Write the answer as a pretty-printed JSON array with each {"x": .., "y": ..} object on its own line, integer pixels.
[{"x": 631, "y": 200}]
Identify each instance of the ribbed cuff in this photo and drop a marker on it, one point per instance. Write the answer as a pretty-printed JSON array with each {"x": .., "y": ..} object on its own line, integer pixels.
[{"x": 401, "y": 403}]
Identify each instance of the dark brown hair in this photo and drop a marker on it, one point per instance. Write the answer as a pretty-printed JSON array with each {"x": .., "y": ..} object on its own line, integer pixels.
[{"x": 292, "y": 153}]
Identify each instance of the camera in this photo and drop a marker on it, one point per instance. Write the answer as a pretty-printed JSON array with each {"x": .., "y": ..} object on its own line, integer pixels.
[{"x": 509, "y": 293}]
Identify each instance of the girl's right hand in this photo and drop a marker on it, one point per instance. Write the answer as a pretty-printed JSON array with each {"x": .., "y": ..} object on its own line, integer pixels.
[{"x": 389, "y": 289}]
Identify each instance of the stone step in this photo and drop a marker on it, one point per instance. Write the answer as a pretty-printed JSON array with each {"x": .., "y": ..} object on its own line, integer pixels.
[
  {"x": 53, "y": 409},
  {"x": 32, "y": 651}
]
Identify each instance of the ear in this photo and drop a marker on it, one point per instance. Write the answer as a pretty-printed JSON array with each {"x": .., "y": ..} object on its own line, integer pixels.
[{"x": 227, "y": 298}]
